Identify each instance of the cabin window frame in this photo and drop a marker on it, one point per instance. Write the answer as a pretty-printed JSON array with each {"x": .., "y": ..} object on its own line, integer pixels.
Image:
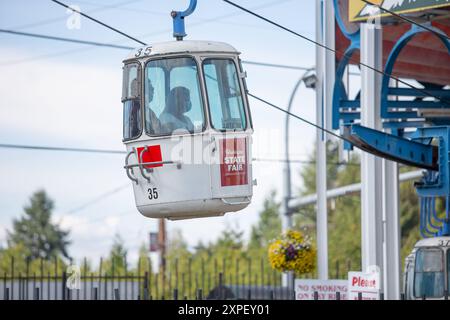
[
  {"x": 201, "y": 95},
  {"x": 241, "y": 88},
  {"x": 126, "y": 98},
  {"x": 443, "y": 271}
]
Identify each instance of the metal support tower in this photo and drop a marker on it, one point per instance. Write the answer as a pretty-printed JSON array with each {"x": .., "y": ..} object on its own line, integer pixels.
[
  {"x": 371, "y": 166},
  {"x": 324, "y": 88},
  {"x": 391, "y": 219}
]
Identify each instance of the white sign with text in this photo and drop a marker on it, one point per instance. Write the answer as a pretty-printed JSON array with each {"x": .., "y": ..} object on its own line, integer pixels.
[
  {"x": 366, "y": 284},
  {"x": 326, "y": 289}
]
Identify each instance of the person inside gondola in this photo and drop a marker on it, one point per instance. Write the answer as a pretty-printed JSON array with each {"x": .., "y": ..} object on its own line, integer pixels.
[
  {"x": 135, "y": 112},
  {"x": 178, "y": 104},
  {"x": 155, "y": 124}
]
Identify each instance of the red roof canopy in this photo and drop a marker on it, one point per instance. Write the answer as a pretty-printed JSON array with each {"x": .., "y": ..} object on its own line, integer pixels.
[{"x": 425, "y": 58}]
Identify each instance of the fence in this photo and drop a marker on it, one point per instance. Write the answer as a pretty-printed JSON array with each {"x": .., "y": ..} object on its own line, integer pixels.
[{"x": 180, "y": 279}]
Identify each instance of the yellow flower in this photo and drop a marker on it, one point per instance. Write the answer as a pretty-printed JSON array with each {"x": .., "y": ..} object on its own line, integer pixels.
[{"x": 292, "y": 252}]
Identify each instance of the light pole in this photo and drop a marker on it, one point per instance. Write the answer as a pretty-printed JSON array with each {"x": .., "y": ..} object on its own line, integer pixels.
[{"x": 286, "y": 213}]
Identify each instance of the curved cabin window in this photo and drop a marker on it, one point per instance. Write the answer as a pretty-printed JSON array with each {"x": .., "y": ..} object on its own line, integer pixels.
[
  {"x": 448, "y": 270},
  {"x": 173, "y": 102},
  {"x": 132, "y": 124},
  {"x": 224, "y": 95},
  {"x": 429, "y": 273}
]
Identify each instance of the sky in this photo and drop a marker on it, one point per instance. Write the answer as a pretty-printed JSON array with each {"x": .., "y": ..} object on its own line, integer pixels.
[{"x": 63, "y": 94}]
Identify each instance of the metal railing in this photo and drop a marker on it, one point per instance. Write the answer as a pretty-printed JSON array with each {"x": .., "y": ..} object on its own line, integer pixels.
[{"x": 178, "y": 279}]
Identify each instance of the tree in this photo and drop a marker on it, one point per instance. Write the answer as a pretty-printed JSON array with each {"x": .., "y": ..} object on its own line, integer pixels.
[
  {"x": 144, "y": 262},
  {"x": 344, "y": 213},
  {"x": 36, "y": 232},
  {"x": 268, "y": 226},
  {"x": 409, "y": 219},
  {"x": 116, "y": 263}
]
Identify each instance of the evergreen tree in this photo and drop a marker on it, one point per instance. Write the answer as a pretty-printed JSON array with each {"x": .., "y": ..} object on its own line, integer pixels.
[
  {"x": 268, "y": 226},
  {"x": 36, "y": 232},
  {"x": 344, "y": 213},
  {"x": 116, "y": 262}
]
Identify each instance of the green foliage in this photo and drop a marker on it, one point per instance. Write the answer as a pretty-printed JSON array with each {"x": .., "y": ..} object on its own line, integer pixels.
[
  {"x": 16, "y": 259},
  {"x": 35, "y": 231},
  {"x": 144, "y": 262},
  {"x": 36, "y": 240},
  {"x": 269, "y": 225},
  {"x": 344, "y": 213},
  {"x": 116, "y": 263},
  {"x": 409, "y": 219}
]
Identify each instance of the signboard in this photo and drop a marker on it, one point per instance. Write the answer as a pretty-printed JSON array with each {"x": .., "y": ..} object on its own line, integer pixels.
[
  {"x": 361, "y": 11},
  {"x": 154, "y": 246},
  {"x": 366, "y": 284},
  {"x": 326, "y": 289},
  {"x": 233, "y": 164}
]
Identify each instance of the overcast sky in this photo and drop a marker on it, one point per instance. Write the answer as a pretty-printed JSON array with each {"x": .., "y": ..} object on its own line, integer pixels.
[{"x": 62, "y": 94}]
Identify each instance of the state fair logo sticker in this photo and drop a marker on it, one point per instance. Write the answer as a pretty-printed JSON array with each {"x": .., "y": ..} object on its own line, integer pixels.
[{"x": 233, "y": 164}]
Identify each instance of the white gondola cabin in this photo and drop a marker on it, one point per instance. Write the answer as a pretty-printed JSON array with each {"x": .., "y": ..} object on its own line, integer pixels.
[
  {"x": 427, "y": 269},
  {"x": 187, "y": 128}
]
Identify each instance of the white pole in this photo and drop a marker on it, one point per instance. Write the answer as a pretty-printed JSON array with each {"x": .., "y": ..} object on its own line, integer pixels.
[
  {"x": 297, "y": 203},
  {"x": 321, "y": 174},
  {"x": 371, "y": 166},
  {"x": 391, "y": 219},
  {"x": 330, "y": 61}
]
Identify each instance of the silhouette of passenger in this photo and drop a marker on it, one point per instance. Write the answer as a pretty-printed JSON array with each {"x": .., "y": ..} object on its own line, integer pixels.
[
  {"x": 135, "y": 112},
  {"x": 178, "y": 103},
  {"x": 152, "y": 119}
]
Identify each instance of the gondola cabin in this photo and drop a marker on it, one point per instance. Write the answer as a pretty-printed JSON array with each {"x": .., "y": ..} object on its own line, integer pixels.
[
  {"x": 427, "y": 269},
  {"x": 187, "y": 129}
]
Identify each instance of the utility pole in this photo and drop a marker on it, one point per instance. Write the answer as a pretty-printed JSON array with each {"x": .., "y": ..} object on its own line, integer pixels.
[
  {"x": 162, "y": 241},
  {"x": 286, "y": 212}
]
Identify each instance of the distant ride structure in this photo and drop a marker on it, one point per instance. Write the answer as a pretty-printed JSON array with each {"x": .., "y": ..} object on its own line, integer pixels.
[
  {"x": 187, "y": 127},
  {"x": 414, "y": 116}
]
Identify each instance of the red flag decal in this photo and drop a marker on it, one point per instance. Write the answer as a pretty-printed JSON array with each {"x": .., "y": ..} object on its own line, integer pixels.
[{"x": 153, "y": 154}]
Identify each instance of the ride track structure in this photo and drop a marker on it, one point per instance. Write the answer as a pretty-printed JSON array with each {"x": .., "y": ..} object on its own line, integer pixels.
[{"x": 420, "y": 128}]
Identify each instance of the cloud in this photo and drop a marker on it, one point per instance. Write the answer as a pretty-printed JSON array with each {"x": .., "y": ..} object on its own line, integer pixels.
[{"x": 65, "y": 101}]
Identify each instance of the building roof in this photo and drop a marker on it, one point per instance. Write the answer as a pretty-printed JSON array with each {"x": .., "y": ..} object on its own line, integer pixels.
[{"x": 425, "y": 58}]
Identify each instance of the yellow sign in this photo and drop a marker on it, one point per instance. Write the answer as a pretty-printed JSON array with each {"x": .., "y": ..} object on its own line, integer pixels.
[{"x": 361, "y": 11}]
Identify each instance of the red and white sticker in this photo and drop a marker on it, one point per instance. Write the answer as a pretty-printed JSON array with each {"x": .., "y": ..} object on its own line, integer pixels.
[
  {"x": 233, "y": 164},
  {"x": 153, "y": 154}
]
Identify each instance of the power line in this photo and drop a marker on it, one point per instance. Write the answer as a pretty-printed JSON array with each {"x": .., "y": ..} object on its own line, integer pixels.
[
  {"x": 408, "y": 20},
  {"x": 253, "y": 96},
  {"x": 98, "y": 199},
  {"x": 114, "y": 46},
  {"x": 45, "y": 148},
  {"x": 221, "y": 17},
  {"x": 123, "y": 33},
  {"x": 213, "y": 19},
  {"x": 42, "y": 36},
  {"x": 264, "y": 64},
  {"x": 51, "y": 20},
  {"x": 103, "y": 218},
  {"x": 300, "y": 118},
  {"x": 351, "y": 58},
  {"x": 99, "y": 22},
  {"x": 138, "y": 10},
  {"x": 306, "y": 162},
  {"x": 104, "y": 151}
]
